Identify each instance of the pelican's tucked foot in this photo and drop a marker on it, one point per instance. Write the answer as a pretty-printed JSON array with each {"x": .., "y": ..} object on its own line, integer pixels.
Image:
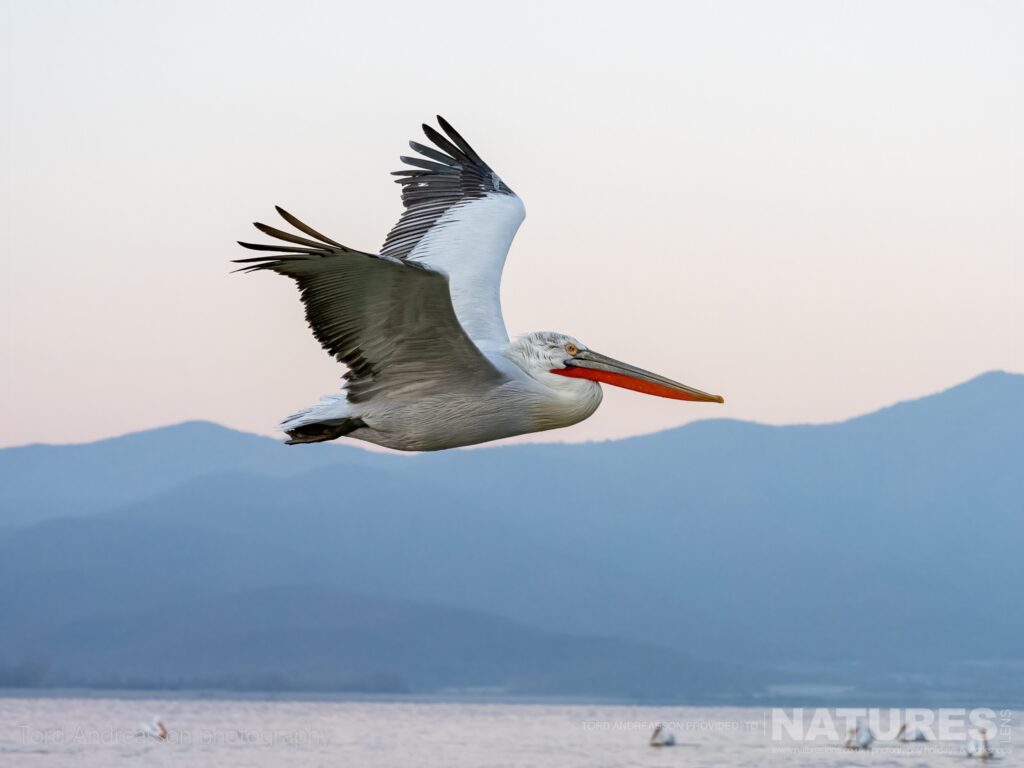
[{"x": 319, "y": 431}]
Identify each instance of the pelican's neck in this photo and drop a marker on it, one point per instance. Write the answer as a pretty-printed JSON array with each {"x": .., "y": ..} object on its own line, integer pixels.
[{"x": 556, "y": 401}]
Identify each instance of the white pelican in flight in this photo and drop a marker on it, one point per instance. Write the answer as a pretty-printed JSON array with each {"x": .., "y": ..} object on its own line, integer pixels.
[{"x": 419, "y": 325}]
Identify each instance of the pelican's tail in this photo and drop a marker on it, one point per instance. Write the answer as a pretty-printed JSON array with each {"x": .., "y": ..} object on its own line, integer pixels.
[{"x": 327, "y": 420}]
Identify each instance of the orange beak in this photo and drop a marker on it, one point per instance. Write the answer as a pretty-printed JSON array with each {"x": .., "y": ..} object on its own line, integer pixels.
[{"x": 597, "y": 367}]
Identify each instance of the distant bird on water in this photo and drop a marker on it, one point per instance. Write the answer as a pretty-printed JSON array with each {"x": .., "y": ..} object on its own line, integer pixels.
[
  {"x": 156, "y": 729},
  {"x": 860, "y": 737},
  {"x": 661, "y": 737},
  {"x": 419, "y": 325},
  {"x": 980, "y": 748},
  {"x": 910, "y": 734}
]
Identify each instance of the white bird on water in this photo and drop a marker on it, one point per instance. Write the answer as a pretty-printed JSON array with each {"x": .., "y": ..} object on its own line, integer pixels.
[
  {"x": 860, "y": 737},
  {"x": 662, "y": 737},
  {"x": 419, "y": 325},
  {"x": 910, "y": 734},
  {"x": 156, "y": 729},
  {"x": 979, "y": 748}
]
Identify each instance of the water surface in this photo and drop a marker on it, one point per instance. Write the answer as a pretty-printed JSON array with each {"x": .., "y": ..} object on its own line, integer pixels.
[{"x": 106, "y": 733}]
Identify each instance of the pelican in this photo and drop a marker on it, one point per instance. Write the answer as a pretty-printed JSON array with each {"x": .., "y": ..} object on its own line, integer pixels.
[
  {"x": 156, "y": 729},
  {"x": 860, "y": 737},
  {"x": 980, "y": 748},
  {"x": 419, "y": 325},
  {"x": 661, "y": 737},
  {"x": 911, "y": 734}
]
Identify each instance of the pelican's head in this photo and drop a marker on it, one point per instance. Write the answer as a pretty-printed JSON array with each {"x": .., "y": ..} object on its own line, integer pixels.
[{"x": 545, "y": 353}]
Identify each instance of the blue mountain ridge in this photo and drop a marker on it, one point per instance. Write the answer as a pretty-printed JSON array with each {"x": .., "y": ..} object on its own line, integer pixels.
[{"x": 883, "y": 552}]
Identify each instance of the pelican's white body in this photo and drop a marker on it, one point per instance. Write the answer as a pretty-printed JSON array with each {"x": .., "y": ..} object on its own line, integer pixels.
[{"x": 531, "y": 400}]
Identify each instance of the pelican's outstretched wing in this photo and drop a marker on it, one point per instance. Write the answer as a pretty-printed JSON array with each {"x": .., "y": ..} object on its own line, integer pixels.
[
  {"x": 390, "y": 321},
  {"x": 460, "y": 219}
]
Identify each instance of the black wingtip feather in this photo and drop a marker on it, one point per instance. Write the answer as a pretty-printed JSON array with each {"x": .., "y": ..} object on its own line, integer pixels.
[
  {"x": 430, "y": 165},
  {"x": 288, "y": 237},
  {"x": 280, "y": 248},
  {"x": 459, "y": 141},
  {"x": 256, "y": 263},
  {"x": 433, "y": 154},
  {"x": 302, "y": 227},
  {"x": 445, "y": 145},
  {"x": 261, "y": 259}
]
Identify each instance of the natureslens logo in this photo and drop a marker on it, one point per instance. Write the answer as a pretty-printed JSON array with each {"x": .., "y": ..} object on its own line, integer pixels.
[{"x": 893, "y": 724}]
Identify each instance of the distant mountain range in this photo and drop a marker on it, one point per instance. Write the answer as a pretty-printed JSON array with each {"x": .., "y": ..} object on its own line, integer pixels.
[{"x": 720, "y": 561}]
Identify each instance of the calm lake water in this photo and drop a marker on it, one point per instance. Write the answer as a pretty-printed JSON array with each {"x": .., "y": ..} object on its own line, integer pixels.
[{"x": 106, "y": 733}]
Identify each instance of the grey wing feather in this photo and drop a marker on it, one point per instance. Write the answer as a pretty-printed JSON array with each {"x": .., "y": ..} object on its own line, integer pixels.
[{"x": 391, "y": 322}]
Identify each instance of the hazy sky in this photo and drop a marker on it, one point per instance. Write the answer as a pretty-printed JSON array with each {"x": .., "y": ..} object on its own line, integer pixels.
[{"x": 814, "y": 208}]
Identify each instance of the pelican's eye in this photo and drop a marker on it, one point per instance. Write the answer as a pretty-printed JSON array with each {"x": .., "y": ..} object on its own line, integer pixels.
[{"x": 571, "y": 348}]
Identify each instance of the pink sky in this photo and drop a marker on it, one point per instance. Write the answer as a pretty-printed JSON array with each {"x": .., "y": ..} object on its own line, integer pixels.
[{"x": 812, "y": 208}]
